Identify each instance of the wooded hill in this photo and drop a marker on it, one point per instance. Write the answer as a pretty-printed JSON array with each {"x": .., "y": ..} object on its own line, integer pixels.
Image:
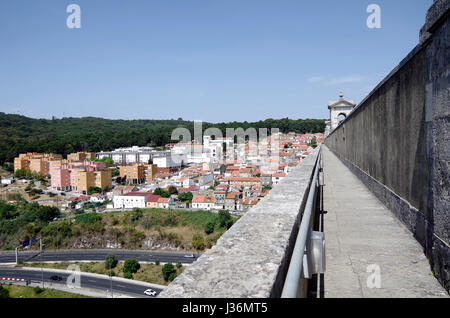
[{"x": 20, "y": 134}]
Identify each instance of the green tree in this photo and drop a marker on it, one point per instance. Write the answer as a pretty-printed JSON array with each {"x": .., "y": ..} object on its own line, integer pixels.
[
  {"x": 92, "y": 190},
  {"x": 224, "y": 218},
  {"x": 131, "y": 265},
  {"x": 167, "y": 271},
  {"x": 185, "y": 196},
  {"x": 172, "y": 276},
  {"x": 209, "y": 227},
  {"x": 47, "y": 213},
  {"x": 173, "y": 190},
  {"x": 110, "y": 261},
  {"x": 4, "y": 293},
  {"x": 115, "y": 172},
  {"x": 162, "y": 193}
]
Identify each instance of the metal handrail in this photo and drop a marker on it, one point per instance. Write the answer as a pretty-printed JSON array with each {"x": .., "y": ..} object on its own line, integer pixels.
[{"x": 291, "y": 285}]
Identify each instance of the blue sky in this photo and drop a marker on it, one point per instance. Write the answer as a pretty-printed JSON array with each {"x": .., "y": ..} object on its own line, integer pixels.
[{"x": 211, "y": 60}]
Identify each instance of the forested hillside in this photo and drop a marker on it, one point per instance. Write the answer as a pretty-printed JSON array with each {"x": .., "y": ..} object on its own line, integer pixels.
[{"x": 20, "y": 134}]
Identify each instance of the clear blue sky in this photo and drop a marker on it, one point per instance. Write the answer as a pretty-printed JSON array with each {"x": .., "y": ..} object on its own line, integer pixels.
[{"x": 212, "y": 60}]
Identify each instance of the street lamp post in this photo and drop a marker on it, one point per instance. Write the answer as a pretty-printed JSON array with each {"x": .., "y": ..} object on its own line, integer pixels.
[
  {"x": 40, "y": 256},
  {"x": 110, "y": 280},
  {"x": 56, "y": 219}
]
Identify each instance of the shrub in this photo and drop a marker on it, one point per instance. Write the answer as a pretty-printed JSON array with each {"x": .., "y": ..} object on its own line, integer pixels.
[
  {"x": 156, "y": 261},
  {"x": 168, "y": 270},
  {"x": 209, "y": 227},
  {"x": 136, "y": 215},
  {"x": 225, "y": 219},
  {"x": 197, "y": 242},
  {"x": 131, "y": 265},
  {"x": 185, "y": 196},
  {"x": 88, "y": 218},
  {"x": 128, "y": 275},
  {"x": 179, "y": 265},
  {"x": 92, "y": 190},
  {"x": 173, "y": 190},
  {"x": 47, "y": 213},
  {"x": 172, "y": 276},
  {"x": 4, "y": 293},
  {"x": 110, "y": 261},
  {"x": 38, "y": 290},
  {"x": 209, "y": 242}
]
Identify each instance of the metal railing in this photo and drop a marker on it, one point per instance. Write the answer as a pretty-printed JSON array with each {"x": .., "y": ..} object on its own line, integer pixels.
[{"x": 308, "y": 256}]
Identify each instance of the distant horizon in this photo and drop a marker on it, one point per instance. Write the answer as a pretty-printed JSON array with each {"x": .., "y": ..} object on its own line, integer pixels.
[{"x": 171, "y": 119}]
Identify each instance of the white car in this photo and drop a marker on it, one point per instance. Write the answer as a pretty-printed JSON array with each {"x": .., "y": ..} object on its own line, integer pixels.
[
  {"x": 189, "y": 255},
  {"x": 150, "y": 292}
]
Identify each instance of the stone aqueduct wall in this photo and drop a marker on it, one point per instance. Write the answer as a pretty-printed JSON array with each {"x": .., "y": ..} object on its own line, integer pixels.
[{"x": 397, "y": 140}]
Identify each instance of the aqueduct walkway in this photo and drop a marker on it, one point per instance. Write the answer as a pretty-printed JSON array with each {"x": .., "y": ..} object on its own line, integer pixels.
[{"x": 360, "y": 231}]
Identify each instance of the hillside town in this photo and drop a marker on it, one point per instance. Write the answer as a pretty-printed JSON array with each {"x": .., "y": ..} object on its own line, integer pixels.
[{"x": 216, "y": 175}]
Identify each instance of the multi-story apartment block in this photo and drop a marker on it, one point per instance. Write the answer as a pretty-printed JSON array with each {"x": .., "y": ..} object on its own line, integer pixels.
[
  {"x": 133, "y": 173},
  {"x": 60, "y": 178},
  {"x": 83, "y": 180},
  {"x": 150, "y": 172},
  {"x": 80, "y": 156},
  {"x": 103, "y": 179},
  {"x": 79, "y": 176},
  {"x": 35, "y": 162}
]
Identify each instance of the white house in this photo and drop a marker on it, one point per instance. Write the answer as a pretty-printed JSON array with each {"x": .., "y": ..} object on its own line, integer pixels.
[
  {"x": 202, "y": 202},
  {"x": 131, "y": 200}
]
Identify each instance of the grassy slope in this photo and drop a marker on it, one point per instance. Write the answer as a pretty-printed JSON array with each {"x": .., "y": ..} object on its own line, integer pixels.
[
  {"x": 29, "y": 292},
  {"x": 167, "y": 228},
  {"x": 149, "y": 273}
]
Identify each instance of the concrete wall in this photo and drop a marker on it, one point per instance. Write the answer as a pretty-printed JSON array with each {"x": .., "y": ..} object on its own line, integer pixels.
[
  {"x": 397, "y": 140},
  {"x": 251, "y": 259}
]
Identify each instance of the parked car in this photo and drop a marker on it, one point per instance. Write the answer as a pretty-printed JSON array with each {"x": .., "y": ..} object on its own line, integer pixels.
[{"x": 150, "y": 292}]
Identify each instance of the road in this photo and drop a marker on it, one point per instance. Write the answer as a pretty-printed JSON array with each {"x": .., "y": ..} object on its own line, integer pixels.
[
  {"x": 96, "y": 256},
  {"x": 133, "y": 289}
]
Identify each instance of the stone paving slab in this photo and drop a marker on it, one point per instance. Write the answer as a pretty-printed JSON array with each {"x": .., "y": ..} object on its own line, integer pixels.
[{"x": 360, "y": 231}]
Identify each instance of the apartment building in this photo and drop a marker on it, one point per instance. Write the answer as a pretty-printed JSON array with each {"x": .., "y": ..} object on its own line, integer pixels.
[
  {"x": 103, "y": 179},
  {"x": 81, "y": 156},
  {"x": 79, "y": 176},
  {"x": 60, "y": 178},
  {"x": 82, "y": 180},
  {"x": 35, "y": 162},
  {"x": 150, "y": 172},
  {"x": 133, "y": 173}
]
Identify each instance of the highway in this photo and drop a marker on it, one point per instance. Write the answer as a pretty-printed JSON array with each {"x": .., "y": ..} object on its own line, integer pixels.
[
  {"x": 133, "y": 289},
  {"x": 96, "y": 256}
]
